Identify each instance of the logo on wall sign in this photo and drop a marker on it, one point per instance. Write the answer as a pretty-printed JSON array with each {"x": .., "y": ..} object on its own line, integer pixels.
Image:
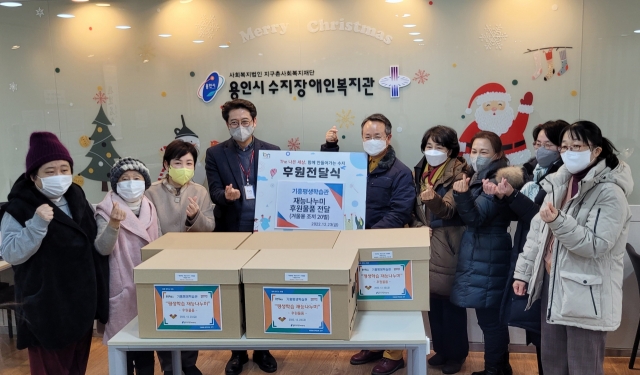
[
  {"x": 210, "y": 87},
  {"x": 394, "y": 81}
]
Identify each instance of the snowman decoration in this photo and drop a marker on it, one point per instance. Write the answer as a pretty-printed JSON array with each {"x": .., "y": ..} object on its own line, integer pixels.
[{"x": 187, "y": 135}]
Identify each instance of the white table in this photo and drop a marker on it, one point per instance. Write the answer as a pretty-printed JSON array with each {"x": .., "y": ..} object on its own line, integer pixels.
[
  {"x": 4, "y": 265},
  {"x": 373, "y": 330}
]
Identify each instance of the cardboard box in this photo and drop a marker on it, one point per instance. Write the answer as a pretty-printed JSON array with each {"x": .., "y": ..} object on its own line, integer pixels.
[
  {"x": 301, "y": 294},
  {"x": 187, "y": 293},
  {"x": 295, "y": 239},
  {"x": 194, "y": 240},
  {"x": 394, "y": 267}
]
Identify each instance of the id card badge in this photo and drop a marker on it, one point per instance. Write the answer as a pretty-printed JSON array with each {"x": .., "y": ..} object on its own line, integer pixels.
[{"x": 248, "y": 192}]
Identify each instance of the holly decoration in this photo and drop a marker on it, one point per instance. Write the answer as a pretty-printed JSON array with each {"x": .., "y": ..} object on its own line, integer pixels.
[{"x": 102, "y": 153}]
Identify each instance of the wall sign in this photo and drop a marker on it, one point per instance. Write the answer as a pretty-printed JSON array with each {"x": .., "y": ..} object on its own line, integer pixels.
[
  {"x": 355, "y": 27},
  {"x": 311, "y": 190},
  {"x": 276, "y": 28},
  {"x": 210, "y": 87},
  {"x": 385, "y": 280},
  {"x": 394, "y": 81}
]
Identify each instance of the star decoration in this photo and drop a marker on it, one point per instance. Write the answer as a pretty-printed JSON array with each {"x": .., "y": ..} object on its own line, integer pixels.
[
  {"x": 344, "y": 119},
  {"x": 207, "y": 27},
  {"x": 294, "y": 144},
  {"x": 100, "y": 98},
  {"x": 421, "y": 76},
  {"x": 493, "y": 37},
  {"x": 40, "y": 12},
  {"x": 13, "y": 86}
]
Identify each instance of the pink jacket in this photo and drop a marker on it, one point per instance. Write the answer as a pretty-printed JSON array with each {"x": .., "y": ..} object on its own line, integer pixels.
[{"x": 135, "y": 233}]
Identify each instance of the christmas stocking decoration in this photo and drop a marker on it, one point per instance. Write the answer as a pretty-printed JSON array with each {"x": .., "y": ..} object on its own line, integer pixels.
[
  {"x": 565, "y": 67},
  {"x": 550, "y": 69},
  {"x": 536, "y": 59}
]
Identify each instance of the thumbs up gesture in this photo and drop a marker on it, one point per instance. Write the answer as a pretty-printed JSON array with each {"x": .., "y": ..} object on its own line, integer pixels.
[
  {"x": 117, "y": 215},
  {"x": 548, "y": 213},
  {"x": 461, "y": 186}
]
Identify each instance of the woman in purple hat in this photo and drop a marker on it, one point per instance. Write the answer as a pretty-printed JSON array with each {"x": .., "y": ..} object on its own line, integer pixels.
[{"x": 61, "y": 281}]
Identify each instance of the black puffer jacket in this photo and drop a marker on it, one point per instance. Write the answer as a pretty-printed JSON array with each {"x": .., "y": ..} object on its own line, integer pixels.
[{"x": 485, "y": 251}]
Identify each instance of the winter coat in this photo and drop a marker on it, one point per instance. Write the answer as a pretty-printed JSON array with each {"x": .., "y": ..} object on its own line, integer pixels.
[
  {"x": 64, "y": 286},
  {"x": 390, "y": 191},
  {"x": 485, "y": 251},
  {"x": 135, "y": 232},
  {"x": 585, "y": 282},
  {"x": 513, "y": 307},
  {"x": 441, "y": 216}
]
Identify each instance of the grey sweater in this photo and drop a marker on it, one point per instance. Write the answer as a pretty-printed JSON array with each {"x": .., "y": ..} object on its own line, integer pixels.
[{"x": 20, "y": 243}]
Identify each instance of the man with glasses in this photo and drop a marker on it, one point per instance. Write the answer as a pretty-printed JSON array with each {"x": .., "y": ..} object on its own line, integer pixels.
[
  {"x": 391, "y": 196},
  {"x": 232, "y": 175}
]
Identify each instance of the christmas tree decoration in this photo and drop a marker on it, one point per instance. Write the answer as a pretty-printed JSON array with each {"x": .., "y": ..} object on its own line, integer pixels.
[
  {"x": 100, "y": 98},
  {"x": 84, "y": 141},
  {"x": 574, "y": 93},
  {"x": 565, "y": 66},
  {"x": 537, "y": 59},
  {"x": 40, "y": 12},
  {"x": 78, "y": 180},
  {"x": 103, "y": 155},
  {"x": 550, "y": 69},
  {"x": 13, "y": 87}
]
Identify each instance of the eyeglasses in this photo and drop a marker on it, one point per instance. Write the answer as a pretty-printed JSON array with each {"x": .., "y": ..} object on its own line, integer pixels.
[
  {"x": 547, "y": 145},
  {"x": 244, "y": 123},
  {"x": 574, "y": 148}
]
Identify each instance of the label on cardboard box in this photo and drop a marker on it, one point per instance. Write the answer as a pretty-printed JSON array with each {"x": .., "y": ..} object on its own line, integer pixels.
[
  {"x": 382, "y": 255},
  {"x": 297, "y": 310},
  {"x": 186, "y": 276},
  {"x": 188, "y": 307},
  {"x": 289, "y": 276},
  {"x": 385, "y": 280}
]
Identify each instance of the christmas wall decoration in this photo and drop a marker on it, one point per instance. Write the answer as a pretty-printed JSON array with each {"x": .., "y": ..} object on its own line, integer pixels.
[
  {"x": 548, "y": 54},
  {"x": 421, "y": 77},
  {"x": 344, "y": 119},
  {"x": 102, "y": 153},
  {"x": 493, "y": 37},
  {"x": 187, "y": 135},
  {"x": 494, "y": 114},
  {"x": 294, "y": 144}
]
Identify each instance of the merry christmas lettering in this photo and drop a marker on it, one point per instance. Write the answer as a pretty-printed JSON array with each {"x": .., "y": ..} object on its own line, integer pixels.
[
  {"x": 277, "y": 28},
  {"x": 356, "y": 27}
]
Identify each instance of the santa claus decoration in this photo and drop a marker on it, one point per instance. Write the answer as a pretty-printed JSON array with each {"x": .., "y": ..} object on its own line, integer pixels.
[{"x": 496, "y": 115}]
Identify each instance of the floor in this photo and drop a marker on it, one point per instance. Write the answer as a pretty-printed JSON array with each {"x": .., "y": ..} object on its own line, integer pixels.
[{"x": 14, "y": 362}]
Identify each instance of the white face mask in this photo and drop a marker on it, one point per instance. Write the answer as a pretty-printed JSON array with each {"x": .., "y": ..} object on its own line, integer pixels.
[
  {"x": 374, "y": 147},
  {"x": 435, "y": 157},
  {"x": 241, "y": 133},
  {"x": 131, "y": 191},
  {"x": 576, "y": 161},
  {"x": 54, "y": 187}
]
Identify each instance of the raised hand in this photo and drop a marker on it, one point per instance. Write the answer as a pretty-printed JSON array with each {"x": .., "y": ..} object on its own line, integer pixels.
[
  {"x": 548, "y": 213},
  {"x": 461, "y": 186},
  {"x": 193, "y": 208},
  {"x": 117, "y": 215},
  {"x": 45, "y": 212},
  {"x": 332, "y": 135},
  {"x": 231, "y": 194},
  {"x": 505, "y": 188},
  {"x": 428, "y": 194},
  {"x": 489, "y": 187}
]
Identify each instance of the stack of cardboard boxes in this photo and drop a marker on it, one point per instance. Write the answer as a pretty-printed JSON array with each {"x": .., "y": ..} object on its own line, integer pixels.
[{"x": 295, "y": 285}]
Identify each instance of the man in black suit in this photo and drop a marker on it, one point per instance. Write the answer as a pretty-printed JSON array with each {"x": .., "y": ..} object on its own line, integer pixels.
[{"x": 232, "y": 175}]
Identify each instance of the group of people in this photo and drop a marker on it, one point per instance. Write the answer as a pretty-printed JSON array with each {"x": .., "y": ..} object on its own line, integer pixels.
[{"x": 74, "y": 264}]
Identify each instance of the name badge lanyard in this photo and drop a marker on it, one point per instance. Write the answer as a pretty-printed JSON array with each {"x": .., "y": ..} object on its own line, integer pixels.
[{"x": 247, "y": 172}]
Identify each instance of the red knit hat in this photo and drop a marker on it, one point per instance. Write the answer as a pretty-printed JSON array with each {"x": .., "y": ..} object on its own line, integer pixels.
[
  {"x": 488, "y": 92},
  {"x": 45, "y": 147}
]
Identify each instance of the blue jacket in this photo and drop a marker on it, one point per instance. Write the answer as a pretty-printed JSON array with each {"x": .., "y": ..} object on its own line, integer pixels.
[
  {"x": 223, "y": 169},
  {"x": 485, "y": 250},
  {"x": 390, "y": 192}
]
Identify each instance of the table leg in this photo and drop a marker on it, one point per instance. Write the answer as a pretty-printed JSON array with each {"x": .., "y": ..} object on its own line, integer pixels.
[
  {"x": 417, "y": 360},
  {"x": 176, "y": 360},
  {"x": 117, "y": 361}
]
